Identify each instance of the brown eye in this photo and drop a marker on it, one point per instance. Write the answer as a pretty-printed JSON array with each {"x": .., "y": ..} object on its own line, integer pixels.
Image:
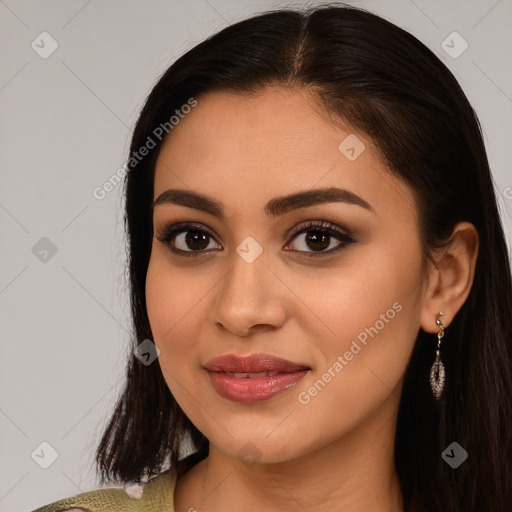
[
  {"x": 187, "y": 240},
  {"x": 317, "y": 241},
  {"x": 319, "y": 238},
  {"x": 192, "y": 240},
  {"x": 196, "y": 240}
]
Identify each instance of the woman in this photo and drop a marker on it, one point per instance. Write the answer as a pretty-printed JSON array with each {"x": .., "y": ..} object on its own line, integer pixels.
[{"x": 317, "y": 254}]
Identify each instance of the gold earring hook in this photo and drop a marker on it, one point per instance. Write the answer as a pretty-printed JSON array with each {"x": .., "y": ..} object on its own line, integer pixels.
[{"x": 440, "y": 334}]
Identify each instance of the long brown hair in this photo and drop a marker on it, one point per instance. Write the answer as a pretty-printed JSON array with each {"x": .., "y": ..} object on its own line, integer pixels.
[{"x": 386, "y": 83}]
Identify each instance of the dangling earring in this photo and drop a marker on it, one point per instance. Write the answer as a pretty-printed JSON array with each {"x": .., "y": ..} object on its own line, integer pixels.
[{"x": 437, "y": 372}]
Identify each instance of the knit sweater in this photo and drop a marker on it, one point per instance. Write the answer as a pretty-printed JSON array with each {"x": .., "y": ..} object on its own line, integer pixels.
[{"x": 157, "y": 496}]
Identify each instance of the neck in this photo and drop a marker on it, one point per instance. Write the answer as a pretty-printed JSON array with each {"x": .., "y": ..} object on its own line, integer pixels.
[{"x": 353, "y": 473}]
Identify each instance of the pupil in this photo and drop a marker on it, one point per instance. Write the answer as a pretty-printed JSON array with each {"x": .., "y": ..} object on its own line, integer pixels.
[
  {"x": 320, "y": 240},
  {"x": 196, "y": 237}
]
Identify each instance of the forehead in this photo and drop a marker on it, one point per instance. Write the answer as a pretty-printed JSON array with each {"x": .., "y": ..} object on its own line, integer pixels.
[
  {"x": 244, "y": 149},
  {"x": 274, "y": 122}
]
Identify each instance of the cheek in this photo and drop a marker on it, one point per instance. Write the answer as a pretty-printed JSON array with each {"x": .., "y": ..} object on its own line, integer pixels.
[
  {"x": 173, "y": 293},
  {"x": 162, "y": 302},
  {"x": 366, "y": 324},
  {"x": 362, "y": 371},
  {"x": 374, "y": 292},
  {"x": 178, "y": 306},
  {"x": 170, "y": 302},
  {"x": 367, "y": 320}
]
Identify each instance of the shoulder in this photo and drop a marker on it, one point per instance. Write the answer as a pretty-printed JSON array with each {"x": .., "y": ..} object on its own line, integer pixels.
[{"x": 155, "y": 496}]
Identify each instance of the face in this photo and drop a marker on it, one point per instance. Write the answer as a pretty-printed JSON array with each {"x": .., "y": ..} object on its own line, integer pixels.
[{"x": 340, "y": 300}]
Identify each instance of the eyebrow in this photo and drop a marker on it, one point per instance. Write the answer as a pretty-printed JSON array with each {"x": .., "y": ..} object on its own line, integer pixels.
[{"x": 274, "y": 208}]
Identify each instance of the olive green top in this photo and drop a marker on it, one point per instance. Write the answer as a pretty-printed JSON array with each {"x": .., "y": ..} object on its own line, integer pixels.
[{"x": 157, "y": 496}]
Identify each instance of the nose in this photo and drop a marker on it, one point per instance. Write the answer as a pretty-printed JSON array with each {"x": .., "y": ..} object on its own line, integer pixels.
[{"x": 250, "y": 298}]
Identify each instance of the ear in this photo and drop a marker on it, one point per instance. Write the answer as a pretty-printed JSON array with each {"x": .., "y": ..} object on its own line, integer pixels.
[{"x": 450, "y": 277}]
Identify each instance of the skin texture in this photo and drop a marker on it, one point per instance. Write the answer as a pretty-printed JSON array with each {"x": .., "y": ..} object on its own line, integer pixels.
[{"x": 336, "y": 451}]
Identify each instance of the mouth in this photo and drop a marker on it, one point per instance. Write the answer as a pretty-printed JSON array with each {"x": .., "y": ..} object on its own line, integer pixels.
[
  {"x": 254, "y": 375},
  {"x": 254, "y": 378},
  {"x": 253, "y": 364}
]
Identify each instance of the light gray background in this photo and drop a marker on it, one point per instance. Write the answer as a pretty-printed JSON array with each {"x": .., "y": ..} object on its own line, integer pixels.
[{"x": 65, "y": 126}]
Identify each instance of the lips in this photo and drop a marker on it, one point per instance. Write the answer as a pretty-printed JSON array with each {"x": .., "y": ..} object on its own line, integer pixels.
[
  {"x": 252, "y": 379},
  {"x": 241, "y": 375},
  {"x": 252, "y": 364}
]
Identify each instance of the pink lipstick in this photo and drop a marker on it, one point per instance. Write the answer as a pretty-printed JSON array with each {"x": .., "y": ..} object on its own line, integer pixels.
[{"x": 254, "y": 378}]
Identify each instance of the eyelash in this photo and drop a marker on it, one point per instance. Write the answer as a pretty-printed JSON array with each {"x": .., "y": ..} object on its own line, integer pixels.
[{"x": 321, "y": 226}]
